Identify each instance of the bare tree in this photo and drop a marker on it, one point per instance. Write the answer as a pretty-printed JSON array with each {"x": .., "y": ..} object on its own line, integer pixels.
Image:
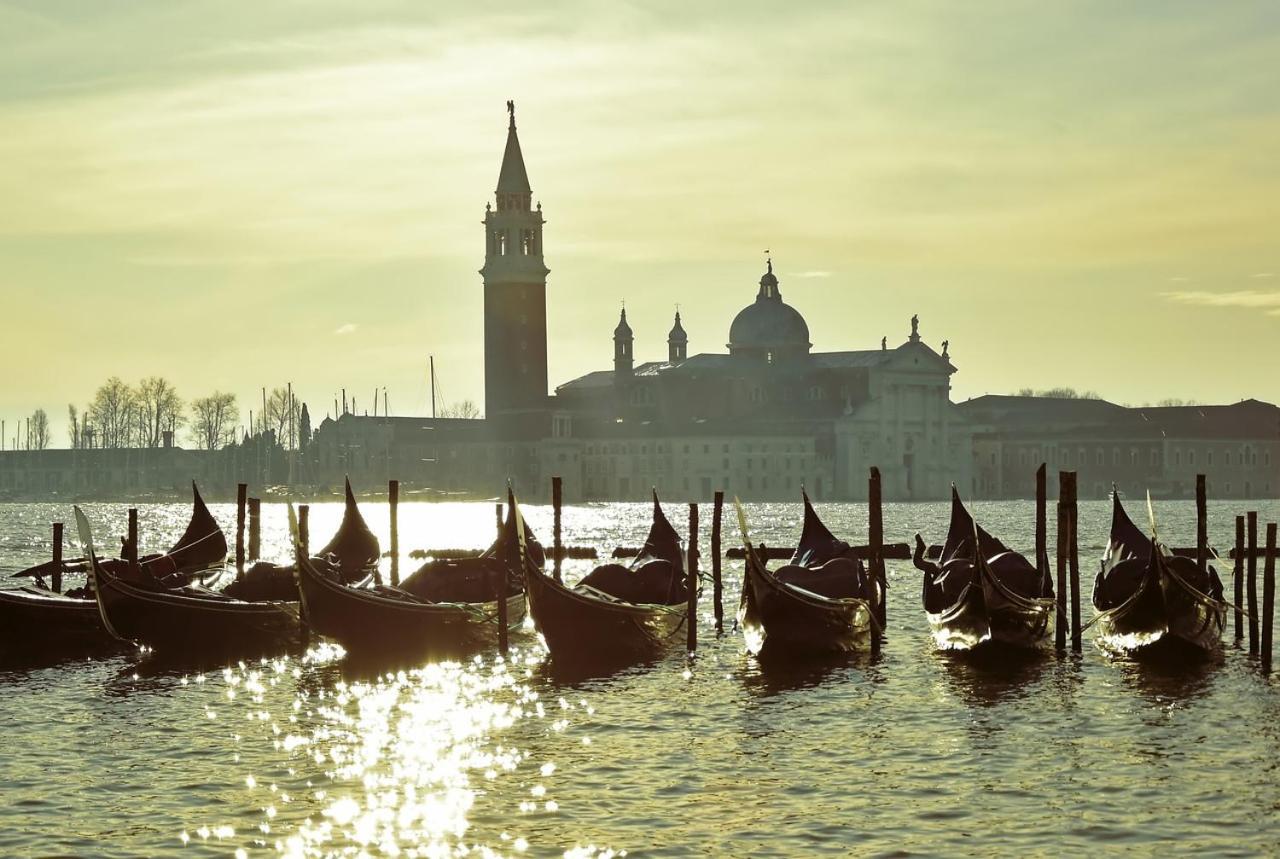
[
  {"x": 213, "y": 420},
  {"x": 73, "y": 426},
  {"x": 282, "y": 415},
  {"x": 113, "y": 413},
  {"x": 160, "y": 410},
  {"x": 1059, "y": 394},
  {"x": 38, "y": 433},
  {"x": 466, "y": 409}
]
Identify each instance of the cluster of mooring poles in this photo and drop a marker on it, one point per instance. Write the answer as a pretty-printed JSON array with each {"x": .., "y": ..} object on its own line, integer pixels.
[{"x": 1259, "y": 612}]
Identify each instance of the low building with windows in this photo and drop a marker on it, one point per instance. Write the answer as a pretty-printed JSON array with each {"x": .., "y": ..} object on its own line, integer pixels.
[{"x": 1159, "y": 449}]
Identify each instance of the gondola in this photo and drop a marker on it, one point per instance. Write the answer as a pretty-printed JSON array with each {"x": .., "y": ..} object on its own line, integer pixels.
[
  {"x": 36, "y": 617},
  {"x": 616, "y": 613},
  {"x": 982, "y": 594},
  {"x": 1149, "y": 601},
  {"x": 181, "y": 620},
  {"x": 446, "y": 608},
  {"x": 354, "y": 552},
  {"x": 821, "y": 602}
]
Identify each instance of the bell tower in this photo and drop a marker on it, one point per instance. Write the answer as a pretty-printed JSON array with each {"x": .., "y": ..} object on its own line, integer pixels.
[{"x": 515, "y": 290}]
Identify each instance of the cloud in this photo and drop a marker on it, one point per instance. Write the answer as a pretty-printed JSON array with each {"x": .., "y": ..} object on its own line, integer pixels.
[
  {"x": 813, "y": 274},
  {"x": 1250, "y": 298},
  {"x": 346, "y": 328},
  {"x": 1262, "y": 275}
]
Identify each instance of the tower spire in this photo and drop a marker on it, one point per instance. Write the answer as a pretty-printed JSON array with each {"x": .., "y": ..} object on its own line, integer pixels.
[{"x": 512, "y": 178}]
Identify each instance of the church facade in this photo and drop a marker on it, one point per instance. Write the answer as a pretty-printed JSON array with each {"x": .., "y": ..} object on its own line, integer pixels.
[{"x": 769, "y": 415}]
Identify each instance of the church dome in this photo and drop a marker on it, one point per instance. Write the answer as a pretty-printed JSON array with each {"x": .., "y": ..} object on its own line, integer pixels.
[{"x": 769, "y": 327}]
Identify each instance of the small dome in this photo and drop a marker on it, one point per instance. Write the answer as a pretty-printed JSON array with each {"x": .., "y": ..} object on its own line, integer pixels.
[
  {"x": 623, "y": 329},
  {"x": 769, "y": 326},
  {"x": 677, "y": 334}
]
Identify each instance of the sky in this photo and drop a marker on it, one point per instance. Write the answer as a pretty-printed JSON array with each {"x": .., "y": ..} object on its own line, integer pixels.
[{"x": 243, "y": 194}]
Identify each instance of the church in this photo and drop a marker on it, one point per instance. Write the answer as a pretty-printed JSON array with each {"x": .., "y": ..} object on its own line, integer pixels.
[{"x": 759, "y": 421}]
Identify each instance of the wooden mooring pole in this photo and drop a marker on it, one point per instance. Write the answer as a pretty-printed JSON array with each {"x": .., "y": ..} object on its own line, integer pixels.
[
  {"x": 242, "y": 497},
  {"x": 1237, "y": 579},
  {"x": 131, "y": 541},
  {"x": 1073, "y": 559},
  {"x": 691, "y": 620},
  {"x": 500, "y": 587},
  {"x": 875, "y": 541},
  {"x": 255, "y": 528},
  {"x": 557, "y": 501},
  {"x": 56, "y": 578},
  {"x": 717, "y": 584},
  {"x": 1060, "y": 622},
  {"x": 1202, "y": 525},
  {"x": 1042, "y": 524},
  {"x": 393, "y": 503},
  {"x": 1268, "y": 597},
  {"x": 304, "y": 529},
  {"x": 1252, "y": 561}
]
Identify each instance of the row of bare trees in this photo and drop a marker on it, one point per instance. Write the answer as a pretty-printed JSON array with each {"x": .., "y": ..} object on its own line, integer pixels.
[{"x": 122, "y": 415}]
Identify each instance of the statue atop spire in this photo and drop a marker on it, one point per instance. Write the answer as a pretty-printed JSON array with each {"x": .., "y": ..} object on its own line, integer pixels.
[
  {"x": 915, "y": 328},
  {"x": 511, "y": 109}
]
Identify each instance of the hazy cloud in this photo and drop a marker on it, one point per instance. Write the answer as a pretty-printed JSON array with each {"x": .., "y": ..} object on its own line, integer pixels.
[
  {"x": 1250, "y": 298},
  {"x": 345, "y": 329},
  {"x": 812, "y": 274}
]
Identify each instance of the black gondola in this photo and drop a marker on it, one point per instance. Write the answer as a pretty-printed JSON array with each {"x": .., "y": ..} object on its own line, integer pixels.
[
  {"x": 616, "y": 613},
  {"x": 982, "y": 593},
  {"x": 353, "y": 551},
  {"x": 446, "y": 608},
  {"x": 35, "y": 617},
  {"x": 821, "y": 602},
  {"x": 188, "y": 619},
  {"x": 1148, "y": 600}
]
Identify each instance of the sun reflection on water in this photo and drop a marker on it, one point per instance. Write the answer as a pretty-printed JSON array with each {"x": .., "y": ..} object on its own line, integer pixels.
[{"x": 392, "y": 763}]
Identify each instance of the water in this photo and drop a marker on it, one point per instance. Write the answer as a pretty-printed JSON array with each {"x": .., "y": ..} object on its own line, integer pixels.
[{"x": 914, "y": 753}]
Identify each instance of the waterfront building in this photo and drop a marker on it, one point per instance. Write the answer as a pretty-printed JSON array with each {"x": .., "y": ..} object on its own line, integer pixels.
[{"x": 1159, "y": 449}]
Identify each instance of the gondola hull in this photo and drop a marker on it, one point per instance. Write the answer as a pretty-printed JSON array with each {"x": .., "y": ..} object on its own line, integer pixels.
[
  {"x": 181, "y": 622},
  {"x": 779, "y": 620},
  {"x": 33, "y": 620},
  {"x": 359, "y": 618},
  {"x": 1163, "y": 613},
  {"x": 579, "y": 627},
  {"x": 984, "y": 617}
]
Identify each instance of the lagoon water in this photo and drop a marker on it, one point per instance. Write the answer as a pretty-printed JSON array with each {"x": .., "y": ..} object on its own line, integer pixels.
[{"x": 313, "y": 753}]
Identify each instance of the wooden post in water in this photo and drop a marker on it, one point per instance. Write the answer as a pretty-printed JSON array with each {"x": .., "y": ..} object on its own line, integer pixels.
[
  {"x": 255, "y": 528},
  {"x": 393, "y": 502},
  {"x": 1252, "y": 561},
  {"x": 691, "y": 619},
  {"x": 304, "y": 529},
  {"x": 1237, "y": 578},
  {"x": 1268, "y": 597},
  {"x": 131, "y": 541},
  {"x": 875, "y": 527},
  {"x": 1073, "y": 560},
  {"x": 242, "y": 497},
  {"x": 56, "y": 578},
  {"x": 557, "y": 547},
  {"x": 500, "y": 576},
  {"x": 717, "y": 585},
  {"x": 500, "y": 587},
  {"x": 1042, "y": 525},
  {"x": 1060, "y": 622},
  {"x": 1202, "y": 525}
]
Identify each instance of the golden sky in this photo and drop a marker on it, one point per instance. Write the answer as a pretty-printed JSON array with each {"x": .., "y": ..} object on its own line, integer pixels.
[{"x": 237, "y": 194}]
